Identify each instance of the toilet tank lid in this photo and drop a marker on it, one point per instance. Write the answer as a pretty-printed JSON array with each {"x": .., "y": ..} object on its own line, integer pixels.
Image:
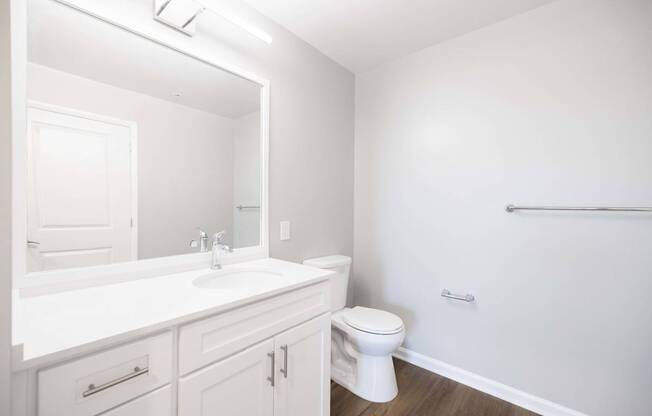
[{"x": 328, "y": 262}]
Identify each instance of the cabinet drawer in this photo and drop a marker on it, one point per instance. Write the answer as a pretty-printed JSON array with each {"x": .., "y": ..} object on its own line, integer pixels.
[
  {"x": 101, "y": 381},
  {"x": 156, "y": 403},
  {"x": 206, "y": 341}
]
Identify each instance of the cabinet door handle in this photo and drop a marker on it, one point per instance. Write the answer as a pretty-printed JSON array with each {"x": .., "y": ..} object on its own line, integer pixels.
[
  {"x": 92, "y": 388},
  {"x": 284, "y": 370},
  {"x": 271, "y": 378}
]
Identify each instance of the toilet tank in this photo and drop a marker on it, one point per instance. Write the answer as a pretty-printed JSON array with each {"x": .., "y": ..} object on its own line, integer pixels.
[{"x": 341, "y": 265}]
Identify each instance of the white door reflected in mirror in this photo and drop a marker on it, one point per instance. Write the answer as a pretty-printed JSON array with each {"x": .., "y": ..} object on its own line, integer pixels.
[{"x": 79, "y": 173}]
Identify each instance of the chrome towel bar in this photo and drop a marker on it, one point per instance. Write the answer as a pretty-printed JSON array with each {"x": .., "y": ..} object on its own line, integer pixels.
[
  {"x": 466, "y": 298},
  {"x": 512, "y": 208}
]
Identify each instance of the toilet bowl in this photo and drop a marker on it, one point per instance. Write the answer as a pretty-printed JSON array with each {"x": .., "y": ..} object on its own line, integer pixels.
[{"x": 363, "y": 339}]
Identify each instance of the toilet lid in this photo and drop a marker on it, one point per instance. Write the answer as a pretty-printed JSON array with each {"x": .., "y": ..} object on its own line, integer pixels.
[{"x": 373, "y": 320}]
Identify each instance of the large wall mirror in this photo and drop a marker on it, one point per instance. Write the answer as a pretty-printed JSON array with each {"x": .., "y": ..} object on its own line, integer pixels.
[{"x": 133, "y": 147}]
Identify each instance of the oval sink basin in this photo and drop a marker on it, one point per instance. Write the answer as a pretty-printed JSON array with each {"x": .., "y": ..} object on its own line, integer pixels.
[{"x": 239, "y": 278}]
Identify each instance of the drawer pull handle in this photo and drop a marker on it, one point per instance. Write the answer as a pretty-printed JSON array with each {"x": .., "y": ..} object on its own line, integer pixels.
[
  {"x": 271, "y": 378},
  {"x": 284, "y": 370},
  {"x": 92, "y": 388}
]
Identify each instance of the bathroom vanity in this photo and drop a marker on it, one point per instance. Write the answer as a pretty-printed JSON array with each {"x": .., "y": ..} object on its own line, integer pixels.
[
  {"x": 256, "y": 341},
  {"x": 142, "y": 279}
]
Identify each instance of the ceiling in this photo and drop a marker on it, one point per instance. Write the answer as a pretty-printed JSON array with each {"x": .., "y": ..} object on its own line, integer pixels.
[
  {"x": 362, "y": 34},
  {"x": 70, "y": 41}
]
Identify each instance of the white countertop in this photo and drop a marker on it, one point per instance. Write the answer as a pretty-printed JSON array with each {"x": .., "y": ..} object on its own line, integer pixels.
[{"x": 52, "y": 327}]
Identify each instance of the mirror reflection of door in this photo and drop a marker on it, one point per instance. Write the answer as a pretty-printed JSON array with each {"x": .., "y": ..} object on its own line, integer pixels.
[{"x": 79, "y": 190}]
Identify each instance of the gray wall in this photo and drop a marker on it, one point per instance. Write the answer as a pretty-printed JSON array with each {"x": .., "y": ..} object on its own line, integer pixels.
[
  {"x": 311, "y": 126},
  {"x": 185, "y": 164},
  {"x": 5, "y": 209},
  {"x": 550, "y": 107}
]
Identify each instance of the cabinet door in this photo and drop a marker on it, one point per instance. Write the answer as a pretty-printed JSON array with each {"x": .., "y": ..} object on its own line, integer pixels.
[
  {"x": 241, "y": 385},
  {"x": 303, "y": 369},
  {"x": 157, "y": 403}
]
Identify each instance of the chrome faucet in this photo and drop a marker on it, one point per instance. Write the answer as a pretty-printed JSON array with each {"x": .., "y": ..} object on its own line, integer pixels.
[
  {"x": 202, "y": 243},
  {"x": 219, "y": 248}
]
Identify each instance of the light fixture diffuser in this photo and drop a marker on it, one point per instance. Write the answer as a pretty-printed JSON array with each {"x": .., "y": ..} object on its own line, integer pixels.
[
  {"x": 182, "y": 15},
  {"x": 179, "y": 14}
]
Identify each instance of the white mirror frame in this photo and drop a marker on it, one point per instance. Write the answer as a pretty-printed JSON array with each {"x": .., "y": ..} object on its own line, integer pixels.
[{"x": 55, "y": 281}]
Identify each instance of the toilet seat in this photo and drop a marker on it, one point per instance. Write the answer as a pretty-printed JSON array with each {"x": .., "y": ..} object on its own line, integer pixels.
[{"x": 373, "y": 321}]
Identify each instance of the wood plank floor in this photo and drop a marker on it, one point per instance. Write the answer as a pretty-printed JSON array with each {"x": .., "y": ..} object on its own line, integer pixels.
[{"x": 422, "y": 393}]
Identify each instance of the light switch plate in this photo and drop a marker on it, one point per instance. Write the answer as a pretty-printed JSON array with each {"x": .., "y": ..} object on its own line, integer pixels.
[{"x": 285, "y": 230}]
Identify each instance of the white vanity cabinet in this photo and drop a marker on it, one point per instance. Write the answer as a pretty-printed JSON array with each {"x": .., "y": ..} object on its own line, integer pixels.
[
  {"x": 267, "y": 357},
  {"x": 287, "y": 375}
]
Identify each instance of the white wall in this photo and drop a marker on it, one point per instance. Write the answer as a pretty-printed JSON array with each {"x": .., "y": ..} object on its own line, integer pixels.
[
  {"x": 311, "y": 125},
  {"x": 246, "y": 180},
  {"x": 185, "y": 158},
  {"x": 550, "y": 107},
  {"x": 5, "y": 208}
]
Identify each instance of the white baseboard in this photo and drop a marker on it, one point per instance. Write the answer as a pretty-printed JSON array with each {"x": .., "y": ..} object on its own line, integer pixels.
[{"x": 485, "y": 385}]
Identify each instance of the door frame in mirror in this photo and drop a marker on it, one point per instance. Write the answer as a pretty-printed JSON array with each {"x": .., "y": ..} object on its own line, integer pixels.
[{"x": 45, "y": 282}]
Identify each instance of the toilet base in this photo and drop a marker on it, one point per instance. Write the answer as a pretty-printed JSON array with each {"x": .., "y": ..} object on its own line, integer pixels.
[
  {"x": 370, "y": 377},
  {"x": 373, "y": 378}
]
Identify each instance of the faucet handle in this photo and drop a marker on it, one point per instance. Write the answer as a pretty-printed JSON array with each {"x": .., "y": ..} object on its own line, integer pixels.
[{"x": 218, "y": 238}]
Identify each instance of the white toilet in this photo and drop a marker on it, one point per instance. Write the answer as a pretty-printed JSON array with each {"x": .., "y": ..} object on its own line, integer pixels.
[{"x": 363, "y": 339}]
